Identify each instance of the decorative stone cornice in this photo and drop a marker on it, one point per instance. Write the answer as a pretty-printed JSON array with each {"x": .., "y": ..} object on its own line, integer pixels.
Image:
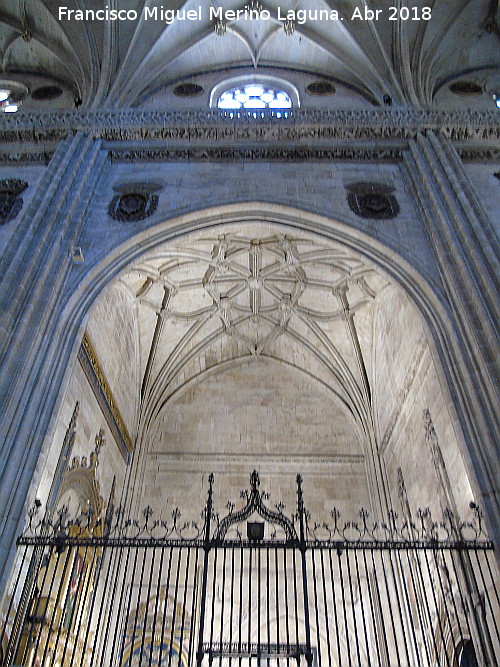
[{"x": 213, "y": 125}]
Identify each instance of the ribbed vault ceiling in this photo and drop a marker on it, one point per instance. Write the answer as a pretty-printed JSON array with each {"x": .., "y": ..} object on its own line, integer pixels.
[
  {"x": 211, "y": 301},
  {"x": 121, "y": 63}
]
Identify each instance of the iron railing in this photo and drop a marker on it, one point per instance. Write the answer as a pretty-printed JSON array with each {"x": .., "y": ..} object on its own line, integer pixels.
[{"x": 282, "y": 591}]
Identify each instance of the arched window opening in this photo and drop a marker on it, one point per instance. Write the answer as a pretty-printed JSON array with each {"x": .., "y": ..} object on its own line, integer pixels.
[{"x": 254, "y": 96}]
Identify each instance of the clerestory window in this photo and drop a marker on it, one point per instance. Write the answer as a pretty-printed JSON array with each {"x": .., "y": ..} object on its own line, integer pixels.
[{"x": 254, "y": 96}]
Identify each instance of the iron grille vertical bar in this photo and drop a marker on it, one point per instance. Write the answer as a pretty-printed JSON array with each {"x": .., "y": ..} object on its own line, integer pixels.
[
  {"x": 214, "y": 587},
  {"x": 393, "y": 624},
  {"x": 438, "y": 615},
  {"x": 231, "y": 605},
  {"x": 193, "y": 606},
  {"x": 127, "y": 614},
  {"x": 74, "y": 609},
  {"x": 464, "y": 602},
  {"x": 165, "y": 604},
  {"x": 494, "y": 615},
  {"x": 410, "y": 557},
  {"x": 33, "y": 607},
  {"x": 325, "y": 604},
  {"x": 372, "y": 610},
  {"x": 427, "y": 629},
  {"x": 287, "y": 615},
  {"x": 303, "y": 548},
  {"x": 207, "y": 545},
  {"x": 401, "y": 617},
  {"x": 174, "y": 609},
  {"x": 380, "y": 612},
  {"x": 258, "y": 602},
  {"x": 361, "y": 596},
  {"x": 276, "y": 605},
  {"x": 137, "y": 606},
  {"x": 408, "y": 616},
  {"x": 337, "y": 633},
  {"x": 65, "y": 567},
  {"x": 447, "y": 618},
  {"x": 26, "y": 594},
  {"x": 268, "y": 592},
  {"x": 250, "y": 553},
  {"x": 475, "y": 597},
  {"x": 223, "y": 596},
  {"x": 85, "y": 616},
  {"x": 92, "y": 604},
  {"x": 148, "y": 595},
  {"x": 427, "y": 607},
  {"x": 296, "y": 601},
  {"x": 452, "y": 595},
  {"x": 240, "y": 630},
  {"x": 353, "y": 607},
  {"x": 60, "y": 596},
  {"x": 184, "y": 601},
  {"x": 340, "y": 553},
  {"x": 110, "y": 612},
  {"x": 157, "y": 600},
  {"x": 492, "y": 578},
  {"x": 316, "y": 605}
]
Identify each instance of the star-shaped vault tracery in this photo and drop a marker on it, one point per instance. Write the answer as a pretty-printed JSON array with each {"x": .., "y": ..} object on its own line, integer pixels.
[{"x": 278, "y": 297}]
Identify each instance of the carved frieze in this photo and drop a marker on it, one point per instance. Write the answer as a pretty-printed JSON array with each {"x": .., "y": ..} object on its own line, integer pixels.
[
  {"x": 20, "y": 158},
  {"x": 479, "y": 154},
  {"x": 214, "y": 125},
  {"x": 228, "y": 153}
]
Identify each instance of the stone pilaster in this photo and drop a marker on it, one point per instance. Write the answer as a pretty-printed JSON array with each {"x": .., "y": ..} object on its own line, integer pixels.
[
  {"x": 36, "y": 341},
  {"x": 465, "y": 248}
]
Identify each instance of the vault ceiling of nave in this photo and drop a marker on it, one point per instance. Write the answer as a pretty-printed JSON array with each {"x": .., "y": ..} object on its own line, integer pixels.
[
  {"x": 121, "y": 63},
  {"x": 212, "y": 301}
]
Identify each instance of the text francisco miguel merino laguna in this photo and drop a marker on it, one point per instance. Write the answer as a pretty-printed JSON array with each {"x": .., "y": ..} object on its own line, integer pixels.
[{"x": 200, "y": 13}]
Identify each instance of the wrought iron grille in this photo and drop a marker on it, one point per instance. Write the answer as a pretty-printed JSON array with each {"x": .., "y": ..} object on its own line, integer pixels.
[{"x": 118, "y": 592}]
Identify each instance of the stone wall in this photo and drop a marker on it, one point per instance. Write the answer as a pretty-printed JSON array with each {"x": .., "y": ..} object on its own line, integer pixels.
[
  {"x": 405, "y": 384},
  {"x": 487, "y": 188},
  {"x": 261, "y": 416},
  {"x": 319, "y": 187},
  {"x": 113, "y": 329}
]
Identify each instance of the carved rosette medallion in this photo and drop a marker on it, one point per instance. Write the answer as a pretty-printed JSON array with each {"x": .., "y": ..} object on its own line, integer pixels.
[
  {"x": 134, "y": 201},
  {"x": 372, "y": 200}
]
